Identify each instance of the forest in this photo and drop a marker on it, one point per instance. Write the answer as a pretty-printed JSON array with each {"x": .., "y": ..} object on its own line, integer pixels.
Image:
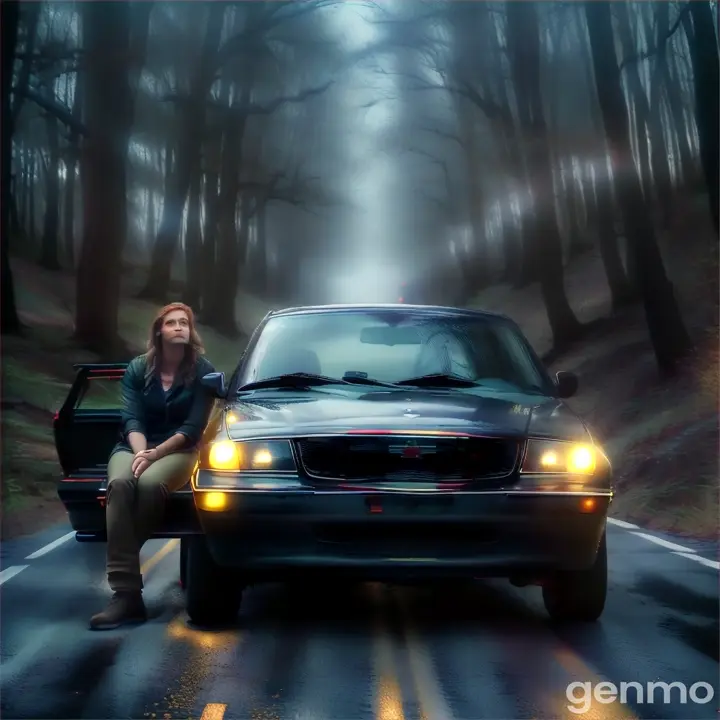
[{"x": 556, "y": 161}]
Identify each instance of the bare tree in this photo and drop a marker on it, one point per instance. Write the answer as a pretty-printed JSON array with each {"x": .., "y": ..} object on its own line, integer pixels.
[
  {"x": 703, "y": 42},
  {"x": 667, "y": 331},
  {"x": 106, "y": 31},
  {"x": 10, "y": 20}
]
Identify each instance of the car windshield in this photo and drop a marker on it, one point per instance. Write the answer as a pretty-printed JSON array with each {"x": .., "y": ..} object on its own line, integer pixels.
[{"x": 392, "y": 347}]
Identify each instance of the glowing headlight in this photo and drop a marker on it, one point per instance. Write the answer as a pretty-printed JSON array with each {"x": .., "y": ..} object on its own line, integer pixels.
[
  {"x": 546, "y": 456},
  {"x": 252, "y": 455}
]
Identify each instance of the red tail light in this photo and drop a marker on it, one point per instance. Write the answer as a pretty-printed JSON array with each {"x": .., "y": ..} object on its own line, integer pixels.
[{"x": 401, "y": 300}]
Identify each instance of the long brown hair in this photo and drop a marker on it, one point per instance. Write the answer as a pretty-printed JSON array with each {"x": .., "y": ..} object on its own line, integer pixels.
[{"x": 192, "y": 350}]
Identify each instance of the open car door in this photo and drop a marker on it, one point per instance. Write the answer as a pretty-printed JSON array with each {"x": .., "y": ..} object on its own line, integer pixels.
[{"x": 86, "y": 429}]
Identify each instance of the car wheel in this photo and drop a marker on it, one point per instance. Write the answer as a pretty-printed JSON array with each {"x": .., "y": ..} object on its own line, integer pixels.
[
  {"x": 578, "y": 595},
  {"x": 183, "y": 562},
  {"x": 212, "y": 593}
]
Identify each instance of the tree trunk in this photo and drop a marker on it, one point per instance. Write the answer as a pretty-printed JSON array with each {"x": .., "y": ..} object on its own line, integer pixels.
[
  {"x": 31, "y": 12},
  {"x": 641, "y": 105},
  {"x": 193, "y": 245},
  {"x": 192, "y": 127},
  {"x": 706, "y": 71},
  {"x": 601, "y": 204},
  {"x": 25, "y": 197},
  {"x": 10, "y": 322},
  {"x": 51, "y": 224},
  {"x": 479, "y": 270},
  {"x": 621, "y": 291},
  {"x": 69, "y": 207},
  {"x": 667, "y": 331},
  {"x": 261, "y": 239},
  {"x": 529, "y": 267},
  {"x": 220, "y": 310},
  {"x": 107, "y": 99},
  {"x": 674, "y": 96},
  {"x": 659, "y": 150},
  {"x": 524, "y": 51},
  {"x": 16, "y": 180},
  {"x": 73, "y": 155},
  {"x": 209, "y": 246},
  {"x": 150, "y": 219},
  {"x": 32, "y": 196}
]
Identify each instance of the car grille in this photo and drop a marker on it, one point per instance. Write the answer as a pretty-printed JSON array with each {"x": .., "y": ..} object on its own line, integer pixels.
[{"x": 403, "y": 459}]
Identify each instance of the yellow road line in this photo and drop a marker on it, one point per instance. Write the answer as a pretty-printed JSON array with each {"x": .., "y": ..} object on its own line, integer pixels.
[
  {"x": 574, "y": 665},
  {"x": 214, "y": 711},
  {"x": 431, "y": 700},
  {"x": 153, "y": 560},
  {"x": 388, "y": 694}
]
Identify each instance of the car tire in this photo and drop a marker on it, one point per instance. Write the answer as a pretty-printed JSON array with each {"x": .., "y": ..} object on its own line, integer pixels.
[
  {"x": 578, "y": 595},
  {"x": 183, "y": 562},
  {"x": 212, "y": 593}
]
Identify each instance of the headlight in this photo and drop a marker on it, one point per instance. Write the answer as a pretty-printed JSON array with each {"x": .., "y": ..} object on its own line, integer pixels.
[
  {"x": 250, "y": 456},
  {"x": 549, "y": 456}
]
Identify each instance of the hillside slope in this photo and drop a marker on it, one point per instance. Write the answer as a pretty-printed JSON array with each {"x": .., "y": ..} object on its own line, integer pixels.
[{"x": 662, "y": 437}]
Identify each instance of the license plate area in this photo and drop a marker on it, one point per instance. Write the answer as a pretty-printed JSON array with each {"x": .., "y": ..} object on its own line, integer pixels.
[
  {"x": 407, "y": 505},
  {"x": 389, "y": 538}
]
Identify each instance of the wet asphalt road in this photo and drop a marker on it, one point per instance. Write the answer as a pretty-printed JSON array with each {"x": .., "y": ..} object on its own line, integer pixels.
[{"x": 365, "y": 651}]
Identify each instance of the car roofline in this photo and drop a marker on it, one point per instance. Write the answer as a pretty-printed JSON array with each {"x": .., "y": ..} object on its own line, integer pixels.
[{"x": 439, "y": 310}]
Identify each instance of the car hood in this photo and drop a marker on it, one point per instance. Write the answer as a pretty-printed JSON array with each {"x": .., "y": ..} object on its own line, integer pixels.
[{"x": 290, "y": 413}]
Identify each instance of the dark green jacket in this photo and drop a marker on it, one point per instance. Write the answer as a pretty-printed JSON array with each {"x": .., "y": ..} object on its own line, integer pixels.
[{"x": 159, "y": 415}]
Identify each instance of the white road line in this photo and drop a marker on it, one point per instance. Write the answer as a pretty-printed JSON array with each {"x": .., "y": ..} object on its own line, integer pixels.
[
  {"x": 50, "y": 546},
  {"x": 676, "y": 549},
  {"x": 11, "y": 572},
  {"x": 664, "y": 543},
  {"x": 623, "y": 524},
  {"x": 699, "y": 558}
]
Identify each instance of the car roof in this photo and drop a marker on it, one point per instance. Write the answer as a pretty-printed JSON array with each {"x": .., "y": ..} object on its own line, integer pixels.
[{"x": 400, "y": 308}]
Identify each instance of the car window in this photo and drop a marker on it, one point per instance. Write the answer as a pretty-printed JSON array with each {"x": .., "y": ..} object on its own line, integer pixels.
[{"x": 400, "y": 346}]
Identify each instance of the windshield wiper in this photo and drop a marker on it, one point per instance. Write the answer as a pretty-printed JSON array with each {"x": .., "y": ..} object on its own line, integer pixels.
[
  {"x": 358, "y": 380},
  {"x": 307, "y": 380},
  {"x": 291, "y": 380},
  {"x": 439, "y": 380}
]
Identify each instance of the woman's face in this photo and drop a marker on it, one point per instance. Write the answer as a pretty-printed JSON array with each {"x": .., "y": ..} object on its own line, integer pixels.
[{"x": 175, "y": 328}]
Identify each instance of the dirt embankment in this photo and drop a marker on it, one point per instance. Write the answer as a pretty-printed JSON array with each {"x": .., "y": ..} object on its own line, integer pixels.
[{"x": 662, "y": 437}]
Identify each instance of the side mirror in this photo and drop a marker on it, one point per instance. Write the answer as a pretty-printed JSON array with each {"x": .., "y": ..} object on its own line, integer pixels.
[
  {"x": 567, "y": 383},
  {"x": 215, "y": 382}
]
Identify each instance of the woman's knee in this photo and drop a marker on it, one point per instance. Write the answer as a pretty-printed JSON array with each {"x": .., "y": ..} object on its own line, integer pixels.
[
  {"x": 121, "y": 485},
  {"x": 171, "y": 472},
  {"x": 120, "y": 469}
]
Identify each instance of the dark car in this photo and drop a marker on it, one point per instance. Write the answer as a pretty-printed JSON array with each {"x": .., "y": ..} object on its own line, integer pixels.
[{"x": 383, "y": 442}]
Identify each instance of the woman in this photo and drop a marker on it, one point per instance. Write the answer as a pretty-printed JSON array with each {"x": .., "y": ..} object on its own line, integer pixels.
[{"x": 165, "y": 410}]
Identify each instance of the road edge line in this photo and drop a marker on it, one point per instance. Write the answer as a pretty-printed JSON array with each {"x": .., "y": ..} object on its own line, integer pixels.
[
  {"x": 50, "y": 546},
  {"x": 11, "y": 572}
]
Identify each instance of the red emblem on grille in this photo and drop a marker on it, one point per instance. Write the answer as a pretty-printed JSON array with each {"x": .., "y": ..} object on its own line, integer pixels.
[{"x": 411, "y": 452}]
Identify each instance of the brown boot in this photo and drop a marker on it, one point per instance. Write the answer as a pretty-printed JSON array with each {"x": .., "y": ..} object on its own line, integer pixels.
[{"x": 124, "y": 609}]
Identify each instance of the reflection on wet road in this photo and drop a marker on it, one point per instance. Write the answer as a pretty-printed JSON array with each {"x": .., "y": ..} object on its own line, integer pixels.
[{"x": 442, "y": 652}]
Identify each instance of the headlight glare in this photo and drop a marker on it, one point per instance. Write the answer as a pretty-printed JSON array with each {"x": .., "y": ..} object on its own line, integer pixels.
[
  {"x": 549, "y": 456},
  {"x": 250, "y": 456},
  {"x": 224, "y": 455}
]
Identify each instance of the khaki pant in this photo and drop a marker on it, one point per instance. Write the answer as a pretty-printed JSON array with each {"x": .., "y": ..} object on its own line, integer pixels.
[{"x": 135, "y": 508}]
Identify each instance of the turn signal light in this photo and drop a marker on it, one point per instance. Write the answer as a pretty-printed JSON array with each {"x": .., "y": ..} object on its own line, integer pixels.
[
  {"x": 588, "y": 505},
  {"x": 213, "y": 501}
]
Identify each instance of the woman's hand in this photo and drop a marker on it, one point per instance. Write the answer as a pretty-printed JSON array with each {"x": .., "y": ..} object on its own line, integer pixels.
[{"x": 143, "y": 460}]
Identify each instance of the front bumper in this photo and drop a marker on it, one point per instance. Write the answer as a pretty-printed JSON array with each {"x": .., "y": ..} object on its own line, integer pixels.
[{"x": 276, "y": 534}]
